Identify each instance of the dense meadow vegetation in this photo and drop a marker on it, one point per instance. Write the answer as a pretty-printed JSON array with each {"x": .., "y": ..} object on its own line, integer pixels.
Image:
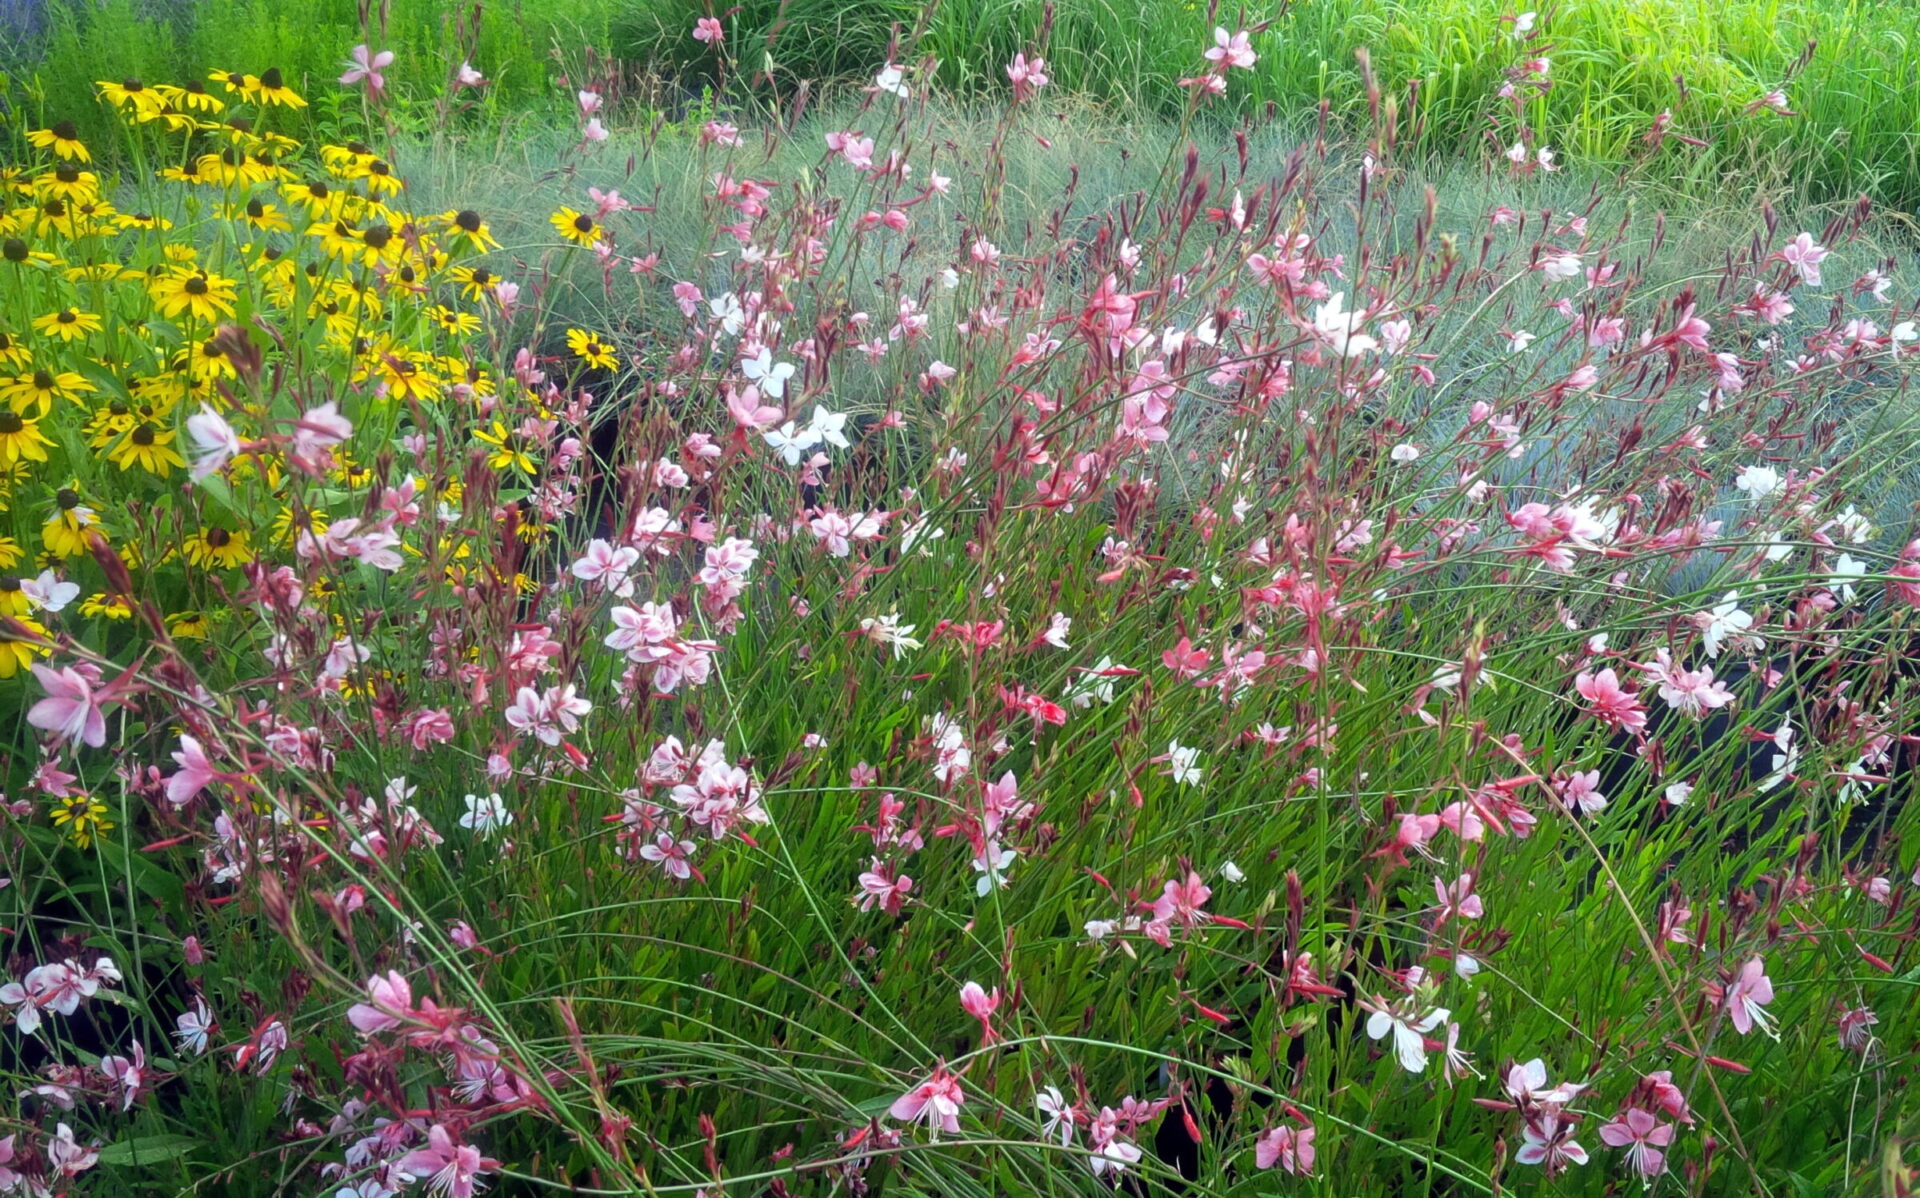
[{"x": 1024, "y": 625}]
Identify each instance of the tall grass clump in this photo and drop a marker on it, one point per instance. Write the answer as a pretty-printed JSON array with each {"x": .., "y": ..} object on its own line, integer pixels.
[
  {"x": 835, "y": 656},
  {"x": 1848, "y": 74}
]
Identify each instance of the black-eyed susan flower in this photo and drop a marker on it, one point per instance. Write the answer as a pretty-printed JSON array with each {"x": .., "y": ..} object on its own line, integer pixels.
[
  {"x": 12, "y": 353},
  {"x": 68, "y": 182},
  {"x": 476, "y": 282},
  {"x": 236, "y": 83},
  {"x": 321, "y": 201},
  {"x": 188, "y": 625},
  {"x": 63, "y": 139},
  {"x": 589, "y": 348},
  {"x": 509, "y": 449},
  {"x": 83, "y": 818},
  {"x": 16, "y": 655},
  {"x": 21, "y": 439},
  {"x": 452, "y": 321},
  {"x": 68, "y": 324},
  {"x": 273, "y": 89},
  {"x": 193, "y": 96},
  {"x": 404, "y": 374},
  {"x": 143, "y": 220},
  {"x": 131, "y": 95},
  {"x": 71, "y": 522},
  {"x": 10, "y": 553},
  {"x": 13, "y": 599},
  {"x": 466, "y": 226},
  {"x": 39, "y": 389},
  {"x": 102, "y": 605},
  {"x": 149, "y": 448},
  {"x": 268, "y": 218},
  {"x": 576, "y": 227},
  {"x": 206, "y": 297}
]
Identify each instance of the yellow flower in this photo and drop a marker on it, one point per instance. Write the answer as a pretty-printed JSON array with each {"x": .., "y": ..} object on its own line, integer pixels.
[
  {"x": 194, "y": 97},
  {"x": 509, "y": 450},
  {"x": 236, "y": 83},
  {"x": 267, "y": 218},
  {"x": 206, "y": 297},
  {"x": 63, "y": 139},
  {"x": 590, "y": 349},
  {"x": 42, "y": 387},
  {"x": 68, "y": 182},
  {"x": 143, "y": 220},
  {"x": 20, "y": 438},
  {"x": 466, "y": 225},
  {"x": 12, "y": 353},
  {"x": 404, "y": 377},
  {"x": 132, "y": 95},
  {"x": 10, "y": 553},
  {"x": 320, "y": 200},
  {"x": 273, "y": 89},
  {"x": 149, "y": 448},
  {"x": 452, "y": 321},
  {"x": 576, "y": 227},
  {"x": 103, "y": 605},
  {"x": 65, "y": 532},
  {"x": 13, "y": 600},
  {"x": 219, "y": 548},
  {"x": 476, "y": 282},
  {"x": 68, "y": 324},
  {"x": 17, "y": 655},
  {"x": 188, "y": 625},
  {"x": 84, "y": 818}
]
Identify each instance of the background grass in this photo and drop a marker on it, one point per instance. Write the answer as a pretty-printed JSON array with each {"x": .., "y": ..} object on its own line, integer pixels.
[{"x": 1617, "y": 64}]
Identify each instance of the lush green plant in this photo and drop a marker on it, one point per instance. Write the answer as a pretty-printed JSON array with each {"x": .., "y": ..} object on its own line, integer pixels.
[{"x": 1197, "y": 570}]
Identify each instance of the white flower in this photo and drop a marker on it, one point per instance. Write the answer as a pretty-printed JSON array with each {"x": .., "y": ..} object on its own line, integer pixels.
[
  {"x": 1560, "y": 267},
  {"x": 1232, "y": 873},
  {"x": 1183, "y": 764},
  {"x": 1678, "y": 793},
  {"x": 1758, "y": 481},
  {"x": 1342, "y": 329},
  {"x": 1519, "y": 340},
  {"x": 1405, "y": 452},
  {"x": 1523, "y": 24},
  {"x": 727, "y": 310},
  {"x": 1465, "y": 967},
  {"x": 888, "y": 630},
  {"x": 992, "y": 865},
  {"x": 1726, "y": 621},
  {"x": 1846, "y": 570},
  {"x": 791, "y": 441},
  {"x": 772, "y": 376},
  {"x": 1409, "y": 1043},
  {"x": 829, "y": 427},
  {"x": 1057, "y": 628},
  {"x": 889, "y": 80},
  {"x": 485, "y": 816},
  {"x": 1784, "y": 760}
]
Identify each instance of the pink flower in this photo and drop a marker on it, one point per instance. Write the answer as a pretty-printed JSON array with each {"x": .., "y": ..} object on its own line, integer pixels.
[
  {"x": 1747, "y": 997},
  {"x": 1457, "y": 899},
  {"x": 390, "y": 1005},
  {"x": 1548, "y": 1140},
  {"x": 127, "y": 1075},
  {"x": 1805, "y": 255},
  {"x": 1028, "y": 75},
  {"x": 71, "y": 710},
  {"x": 448, "y": 1168},
  {"x": 1854, "y": 1025},
  {"x": 673, "y": 856},
  {"x": 466, "y": 76},
  {"x": 1643, "y": 1137},
  {"x": 1581, "y": 792},
  {"x": 196, "y": 772},
  {"x": 366, "y": 67},
  {"x": 1232, "y": 51},
  {"x": 707, "y": 29},
  {"x": 217, "y": 441},
  {"x": 1609, "y": 701},
  {"x": 935, "y": 1102},
  {"x": 1288, "y": 1147}
]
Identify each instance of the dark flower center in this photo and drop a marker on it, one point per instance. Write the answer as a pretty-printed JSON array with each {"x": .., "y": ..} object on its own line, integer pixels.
[
  {"x": 67, "y": 317},
  {"x": 583, "y": 223},
  {"x": 143, "y": 435},
  {"x": 468, "y": 219},
  {"x": 42, "y": 380},
  {"x": 378, "y": 236},
  {"x": 66, "y": 172},
  {"x": 67, "y": 498},
  {"x": 10, "y": 422},
  {"x": 65, "y": 131},
  {"x": 481, "y": 276},
  {"x": 218, "y": 537},
  {"x": 197, "y": 285},
  {"x": 272, "y": 79},
  {"x": 14, "y": 250}
]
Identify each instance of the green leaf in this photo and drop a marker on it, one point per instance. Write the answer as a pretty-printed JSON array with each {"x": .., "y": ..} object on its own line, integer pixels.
[{"x": 147, "y": 1150}]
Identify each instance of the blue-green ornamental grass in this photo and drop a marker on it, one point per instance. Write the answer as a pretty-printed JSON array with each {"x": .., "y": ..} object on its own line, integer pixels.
[{"x": 921, "y": 648}]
